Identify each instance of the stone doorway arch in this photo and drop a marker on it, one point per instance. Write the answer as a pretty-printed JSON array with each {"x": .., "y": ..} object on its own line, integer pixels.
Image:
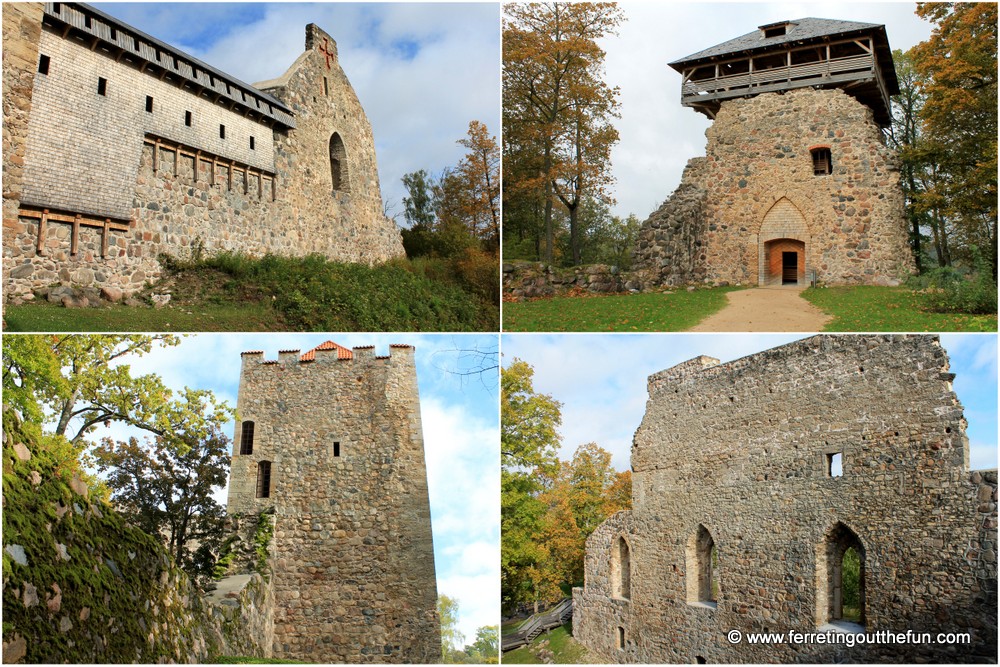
[{"x": 782, "y": 246}]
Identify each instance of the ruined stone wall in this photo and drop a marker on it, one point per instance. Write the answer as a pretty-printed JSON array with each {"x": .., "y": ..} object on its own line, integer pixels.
[
  {"x": 852, "y": 220},
  {"x": 354, "y": 578},
  {"x": 90, "y": 154},
  {"x": 742, "y": 449},
  {"x": 82, "y": 586}
]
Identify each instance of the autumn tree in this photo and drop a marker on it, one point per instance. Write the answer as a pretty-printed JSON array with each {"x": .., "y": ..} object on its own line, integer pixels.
[
  {"x": 479, "y": 174},
  {"x": 557, "y": 110},
  {"x": 585, "y": 491},
  {"x": 528, "y": 444},
  {"x": 957, "y": 69}
]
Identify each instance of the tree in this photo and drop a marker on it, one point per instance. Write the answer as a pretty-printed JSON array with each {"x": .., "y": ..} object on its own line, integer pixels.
[
  {"x": 957, "y": 68},
  {"x": 167, "y": 491},
  {"x": 528, "y": 443},
  {"x": 486, "y": 648},
  {"x": 451, "y": 637},
  {"x": 479, "y": 174},
  {"x": 557, "y": 109}
]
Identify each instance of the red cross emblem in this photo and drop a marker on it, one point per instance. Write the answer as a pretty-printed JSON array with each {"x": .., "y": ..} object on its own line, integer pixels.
[{"x": 327, "y": 53}]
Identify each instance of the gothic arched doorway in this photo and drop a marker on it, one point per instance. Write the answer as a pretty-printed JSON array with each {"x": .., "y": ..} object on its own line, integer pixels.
[{"x": 782, "y": 244}]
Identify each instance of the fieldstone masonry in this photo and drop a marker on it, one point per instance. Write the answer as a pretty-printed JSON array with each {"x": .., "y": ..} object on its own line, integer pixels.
[
  {"x": 331, "y": 439},
  {"x": 168, "y": 154},
  {"x": 797, "y": 183},
  {"x": 738, "y": 456},
  {"x": 756, "y": 185}
]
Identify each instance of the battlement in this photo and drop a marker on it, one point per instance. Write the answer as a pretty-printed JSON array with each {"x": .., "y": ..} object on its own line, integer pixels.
[{"x": 327, "y": 352}]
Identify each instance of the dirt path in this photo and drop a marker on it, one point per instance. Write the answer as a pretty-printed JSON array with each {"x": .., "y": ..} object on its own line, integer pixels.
[{"x": 765, "y": 309}]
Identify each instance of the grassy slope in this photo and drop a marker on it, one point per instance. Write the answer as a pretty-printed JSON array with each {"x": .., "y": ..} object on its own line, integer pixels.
[
  {"x": 651, "y": 311},
  {"x": 234, "y": 293},
  {"x": 889, "y": 309},
  {"x": 565, "y": 649}
]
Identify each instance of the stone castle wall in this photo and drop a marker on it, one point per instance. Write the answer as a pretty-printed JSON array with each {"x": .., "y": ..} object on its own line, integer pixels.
[
  {"x": 354, "y": 578},
  {"x": 93, "y": 155},
  {"x": 852, "y": 221},
  {"x": 742, "y": 449}
]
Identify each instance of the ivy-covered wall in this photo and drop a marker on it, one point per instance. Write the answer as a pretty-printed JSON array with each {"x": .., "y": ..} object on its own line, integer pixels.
[{"x": 82, "y": 586}]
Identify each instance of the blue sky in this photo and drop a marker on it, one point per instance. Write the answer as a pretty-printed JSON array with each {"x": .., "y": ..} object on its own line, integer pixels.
[
  {"x": 423, "y": 71},
  {"x": 459, "y": 411},
  {"x": 601, "y": 380}
]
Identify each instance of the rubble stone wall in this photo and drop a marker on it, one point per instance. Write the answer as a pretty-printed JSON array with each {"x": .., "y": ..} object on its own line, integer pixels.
[
  {"x": 758, "y": 156},
  {"x": 354, "y": 572},
  {"x": 84, "y": 153},
  {"x": 743, "y": 449}
]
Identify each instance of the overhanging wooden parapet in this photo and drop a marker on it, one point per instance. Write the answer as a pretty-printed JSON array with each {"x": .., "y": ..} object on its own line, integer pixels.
[
  {"x": 77, "y": 220},
  {"x": 806, "y": 53}
]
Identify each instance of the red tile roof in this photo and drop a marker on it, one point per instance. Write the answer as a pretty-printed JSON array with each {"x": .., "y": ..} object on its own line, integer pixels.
[{"x": 342, "y": 352}]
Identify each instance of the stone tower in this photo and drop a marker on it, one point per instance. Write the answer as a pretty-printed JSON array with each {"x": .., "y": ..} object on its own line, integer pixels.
[
  {"x": 797, "y": 183},
  {"x": 331, "y": 439},
  {"x": 751, "y": 481}
]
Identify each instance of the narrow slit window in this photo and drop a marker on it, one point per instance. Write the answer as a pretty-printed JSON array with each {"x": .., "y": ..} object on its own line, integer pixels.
[
  {"x": 252, "y": 146},
  {"x": 835, "y": 464},
  {"x": 149, "y": 104},
  {"x": 246, "y": 438},
  {"x": 222, "y": 131},
  {"x": 822, "y": 161},
  {"x": 336, "y": 449},
  {"x": 621, "y": 637},
  {"x": 326, "y": 87},
  {"x": 264, "y": 479},
  {"x": 187, "y": 118},
  {"x": 43, "y": 64},
  {"x": 102, "y": 86}
]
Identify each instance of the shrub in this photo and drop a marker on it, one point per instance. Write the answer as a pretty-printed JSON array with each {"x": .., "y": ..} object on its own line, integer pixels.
[{"x": 976, "y": 295}]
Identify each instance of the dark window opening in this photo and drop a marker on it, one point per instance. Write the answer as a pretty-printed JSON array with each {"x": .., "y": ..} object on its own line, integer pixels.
[
  {"x": 264, "y": 479},
  {"x": 822, "y": 161},
  {"x": 835, "y": 465},
  {"x": 336, "y": 449},
  {"x": 43, "y": 64},
  {"x": 621, "y": 638},
  {"x": 187, "y": 118},
  {"x": 222, "y": 131},
  {"x": 789, "y": 268},
  {"x": 338, "y": 163},
  {"x": 149, "y": 104},
  {"x": 700, "y": 660},
  {"x": 776, "y": 31},
  {"x": 246, "y": 438},
  {"x": 102, "y": 86},
  {"x": 251, "y": 143},
  {"x": 326, "y": 87},
  {"x": 86, "y": 22}
]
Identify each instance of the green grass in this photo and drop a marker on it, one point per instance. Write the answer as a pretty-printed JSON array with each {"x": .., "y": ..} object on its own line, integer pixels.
[
  {"x": 889, "y": 309},
  {"x": 242, "y": 660},
  {"x": 650, "y": 311},
  {"x": 203, "y": 317},
  {"x": 233, "y": 292},
  {"x": 565, "y": 649}
]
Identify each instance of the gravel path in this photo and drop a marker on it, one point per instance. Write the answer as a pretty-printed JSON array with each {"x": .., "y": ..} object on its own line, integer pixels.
[{"x": 766, "y": 309}]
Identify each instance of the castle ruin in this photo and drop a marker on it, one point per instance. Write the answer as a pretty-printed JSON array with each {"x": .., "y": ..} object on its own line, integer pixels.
[
  {"x": 119, "y": 147},
  {"x": 331, "y": 440},
  {"x": 797, "y": 183},
  {"x": 752, "y": 480}
]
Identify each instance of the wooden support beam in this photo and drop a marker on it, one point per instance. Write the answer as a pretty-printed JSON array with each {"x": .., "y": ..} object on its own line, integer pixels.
[
  {"x": 104, "y": 238},
  {"x": 74, "y": 243},
  {"x": 41, "y": 232}
]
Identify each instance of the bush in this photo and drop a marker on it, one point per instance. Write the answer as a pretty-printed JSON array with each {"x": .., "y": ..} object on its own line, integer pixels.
[
  {"x": 935, "y": 278},
  {"x": 976, "y": 295}
]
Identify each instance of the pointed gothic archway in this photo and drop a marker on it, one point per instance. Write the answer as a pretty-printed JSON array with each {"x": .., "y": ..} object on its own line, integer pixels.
[{"x": 782, "y": 243}]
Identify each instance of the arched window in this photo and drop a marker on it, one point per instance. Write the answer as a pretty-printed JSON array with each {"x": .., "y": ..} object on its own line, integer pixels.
[
  {"x": 840, "y": 574},
  {"x": 264, "y": 479},
  {"x": 702, "y": 568},
  {"x": 338, "y": 164},
  {"x": 621, "y": 570},
  {"x": 246, "y": 438}
]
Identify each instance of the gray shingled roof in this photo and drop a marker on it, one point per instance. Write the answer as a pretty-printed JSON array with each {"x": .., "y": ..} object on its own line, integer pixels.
[{"x": 804, "y": 29}]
